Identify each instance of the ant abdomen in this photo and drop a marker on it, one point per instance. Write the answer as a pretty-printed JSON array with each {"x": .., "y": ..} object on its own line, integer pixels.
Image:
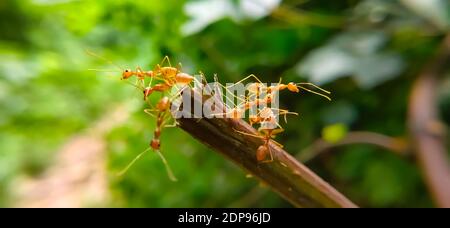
[
  {"x": 261, "y": 153},
  {"x": 292, "y": 87},
  {"x": 184, "y": 78}
]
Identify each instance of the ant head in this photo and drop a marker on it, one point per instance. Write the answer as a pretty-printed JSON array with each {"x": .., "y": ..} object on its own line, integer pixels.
[
  {"x": 269, "y": 98},
  {"x": 155, "y": 144},
  {"x": 127, "y": 73},
  {"x": 293, "y": 87},
  {"x": 253, "y": 119}
]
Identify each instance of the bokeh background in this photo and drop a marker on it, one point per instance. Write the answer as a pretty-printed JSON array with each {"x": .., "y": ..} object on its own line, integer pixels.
[{"x": 65, "y": 131}]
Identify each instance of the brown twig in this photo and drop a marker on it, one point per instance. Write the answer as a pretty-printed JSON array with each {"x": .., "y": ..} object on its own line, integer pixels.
[
  {"x": 427, "y": 131},
  {"x": 297, "y": 17},
  {"x": 285, "y": 175},
  {"x": 396, "y": 145}
]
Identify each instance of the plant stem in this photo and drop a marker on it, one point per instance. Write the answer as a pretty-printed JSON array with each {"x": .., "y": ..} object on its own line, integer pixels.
[{"x": 426, "y": 129}]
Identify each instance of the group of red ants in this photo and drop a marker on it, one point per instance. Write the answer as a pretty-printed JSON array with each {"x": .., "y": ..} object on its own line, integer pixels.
[{"x": 164, "y": 79}]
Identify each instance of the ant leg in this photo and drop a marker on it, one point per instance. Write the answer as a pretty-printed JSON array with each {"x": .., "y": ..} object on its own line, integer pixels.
[
  {"x": 277, "y": 143},
  {"x": 177, "y": 88},
  {"x": 277, "y": 131},
  {"x": 223, "y": 115},
  {"x": 166, "y": 164},
  {"x": 284, "y": 112},
  {"x": 159, "y": 78},
  {"x": 203, "y": 77},
  {"x": 250, "y": 76},
  {"x": 167, "y": 118},
  {"x": 267, "y": 122},
  {"x": 157, "y": 69},
  {"x": 151, "y": 112},
  {"x": 174, "y": 124},
  {"x": 167, "y": 81},
  {"x": 166, "y": 58},
  {"x": 178, "y": 93},
  {"x": 248, "y": 134},
  {"x": 121, "y": 173},
  {"x": 227, "y": 91},
  {"x": 140, "y": 79},
  {"x": 150, "y": 83},
  {"x": 270, "y": 154},
  {"x": 135, "y": 85},
  {"x": 278, "y": 124},
  {"x": 196, "y": 81}
]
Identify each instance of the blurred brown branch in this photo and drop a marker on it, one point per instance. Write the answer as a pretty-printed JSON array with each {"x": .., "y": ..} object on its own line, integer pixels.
[
  {"x": 396, "y": 145},
  {"x": 285, "y": 175},
  {"x": 427, "y": 131},
  {"x": 298, "y": 17}
]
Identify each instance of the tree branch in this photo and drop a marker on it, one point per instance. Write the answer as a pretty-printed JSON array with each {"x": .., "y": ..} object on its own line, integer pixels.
[
  {"x": 394, "y": 144},
  {"x": 426, "y": 129},
  {"x": 285, "y": 175}
]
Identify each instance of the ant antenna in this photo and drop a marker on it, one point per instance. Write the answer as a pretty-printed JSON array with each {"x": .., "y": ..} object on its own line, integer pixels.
[
  {"x": 314, "y": 92},
  {"x": 315, "y": 86},
  {"x": 103, "y": 58},
  {"x": 102, "y": 70}
]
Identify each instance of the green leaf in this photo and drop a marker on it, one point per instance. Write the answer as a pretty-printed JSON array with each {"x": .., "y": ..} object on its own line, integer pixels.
[
  {"x": 436, "y": 11},
  {"x": 355, "y": 54},
  {"x": 206, "y": 12},
  {"x": 334, "y": 133}
]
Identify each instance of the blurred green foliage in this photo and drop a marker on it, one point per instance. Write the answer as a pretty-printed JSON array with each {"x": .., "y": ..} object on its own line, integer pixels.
[{"x": 47, "y": 94}]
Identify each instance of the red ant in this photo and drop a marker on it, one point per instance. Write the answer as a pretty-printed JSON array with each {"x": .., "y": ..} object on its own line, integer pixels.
[
  {"x": 266, "y": 115},
  {"x": 170, "y": 75},
  {"x": 259, "y": 87},
  {"x": 162, "y": 110},
  {"x": 264, "y": 150}
]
